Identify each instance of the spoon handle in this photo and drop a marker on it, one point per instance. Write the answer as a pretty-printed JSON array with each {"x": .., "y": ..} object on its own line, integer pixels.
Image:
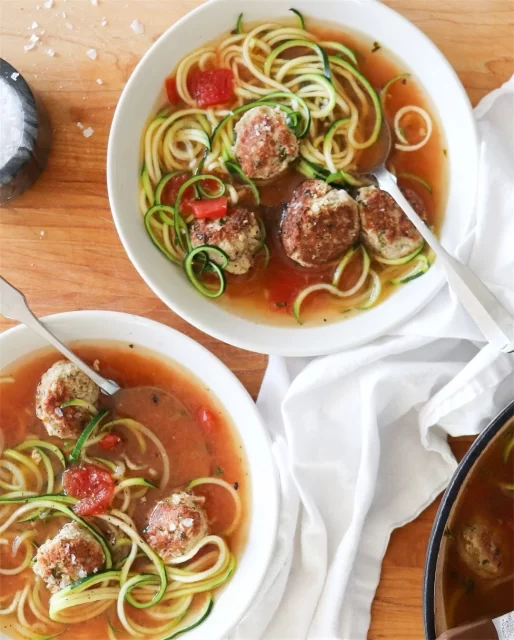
[
  {"x": 13, "y": 305},
  {"x": 491, "y": 317}
]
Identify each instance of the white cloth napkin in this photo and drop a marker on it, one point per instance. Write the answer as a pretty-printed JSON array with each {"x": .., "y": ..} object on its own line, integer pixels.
[{"x": 360, "y": 436}]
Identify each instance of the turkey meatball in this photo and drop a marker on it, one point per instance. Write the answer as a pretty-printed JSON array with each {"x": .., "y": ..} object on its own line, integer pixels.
[
  {"x": 386, "y": 230},
  {"x": 176, "y": 525},
  {"x": 238, "y": 235},
  {"x": 61, "y": 383},
  {"x": 481, "y": 546},
  {"x": 72, "y": 554},
  {"x": 265, "y": 145},
  {"x": 319, "y": 224}
]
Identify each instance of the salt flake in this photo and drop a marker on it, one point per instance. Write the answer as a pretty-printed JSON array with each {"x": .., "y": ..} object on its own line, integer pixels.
[
  {"x": 50, "y": 52},
  {"x": 80, "y": 125},
  {"x": 34, "y": 38},
  {"x": 99, "y": 81},
  {"x": 70, "y": 26},
  {"x": 14, "y": 75},
  {"x": 137, "y": 27},
  {"x": 49, "y": 4},
  {"x": 28, "y": 47},
  {"x": 91, "y": 53},
  {"x": 87, "y": 133},
  {"x": 34, "y": 25},
  {"x": 104, "y": 22},
  {"x": 64, "y": 14},
  {"x": 94, "y": 3}
]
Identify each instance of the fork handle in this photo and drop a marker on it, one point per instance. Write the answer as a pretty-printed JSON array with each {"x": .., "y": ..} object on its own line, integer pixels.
[
  {"x": 13, "y": 305},
  {"x": 491, "y": 317}
]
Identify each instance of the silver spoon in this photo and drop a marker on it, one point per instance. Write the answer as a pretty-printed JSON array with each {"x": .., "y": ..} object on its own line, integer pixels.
[
  {"x": 13, "y": 305},
  {"x": 164, "y": 410},
  {"x": 491, "y": 317}
]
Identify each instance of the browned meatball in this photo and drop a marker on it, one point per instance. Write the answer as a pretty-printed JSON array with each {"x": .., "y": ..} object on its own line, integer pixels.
[
  {"x": 64, "y": 381},
  {"x": 481, "y": 546},
  {"x": 176, "y": 525},
  {"x": 238, "y": 235},
  {"x": 386, "y": 230},
  {"x": 265, "y": 145},
  {"x": 319, "y": 225},
  {"x": 71, "y": 555}
]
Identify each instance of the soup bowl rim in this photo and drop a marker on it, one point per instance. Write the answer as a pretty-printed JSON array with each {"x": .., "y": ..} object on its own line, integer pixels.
[
  {"x": 234, "y": 600},
  {"x": 170, "y": 284},
  {"x": 449, "y": 498}
]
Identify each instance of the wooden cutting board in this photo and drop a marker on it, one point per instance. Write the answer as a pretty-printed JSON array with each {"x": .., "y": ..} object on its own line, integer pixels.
[{"x": 58, "y": 243}]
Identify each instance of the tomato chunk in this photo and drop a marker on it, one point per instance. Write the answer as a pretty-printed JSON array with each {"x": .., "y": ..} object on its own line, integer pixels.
[
  {"x": 212, "y": 209},
  {"x": 92, "y": 485},
  {"x": 211, "y": 87},
  {"x": 207, "y": 419},
  {"x": 172, "y": 91},
  {"x": 110, "y": 441},
  {"x": 170, "y": 192}
]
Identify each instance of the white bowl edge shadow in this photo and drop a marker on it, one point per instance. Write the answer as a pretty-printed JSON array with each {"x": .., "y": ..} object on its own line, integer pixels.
[
  {"x": 169, "y": 283},
  {"x": 236, "y": 598}
]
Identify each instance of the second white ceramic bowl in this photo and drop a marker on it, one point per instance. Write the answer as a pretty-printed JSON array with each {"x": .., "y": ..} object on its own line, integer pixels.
[
  {"x": 242, "y": 589},
  {"x": 377, "y": 22}
]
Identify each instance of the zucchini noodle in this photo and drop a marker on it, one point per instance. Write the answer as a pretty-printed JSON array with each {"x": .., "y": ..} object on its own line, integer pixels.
[{"x": 166, "y": 594}]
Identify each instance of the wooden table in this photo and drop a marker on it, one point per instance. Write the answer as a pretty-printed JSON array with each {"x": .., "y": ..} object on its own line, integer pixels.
[{"x": 58, "y": 242}]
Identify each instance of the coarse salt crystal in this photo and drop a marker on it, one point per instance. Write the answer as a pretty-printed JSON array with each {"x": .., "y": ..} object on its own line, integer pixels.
[
  {"x": 70, "y": 26},
  {"x": 58, "y": 412},
  {"x": 14, "y": 76},
  {"x": 94, "y": 3},
  {"x": 28, "y": 47},
  {"x": 50, "y": 52},
  {"x": 188, "y": 522},
  {"x": 99, "y": 81},
  {"x": 34, "y": 38},
  {"x": 137, "y": 27},
  {"x": 34, "y": 25},
  {"x": 87, "y": 133},
  {"x": 49, "y": 4},
  {"x": 80, "y": 125},
  {"x": 104, "y": 22},
  {"x": 42, "y": 233},
  {"x": 91, "y": 53}
]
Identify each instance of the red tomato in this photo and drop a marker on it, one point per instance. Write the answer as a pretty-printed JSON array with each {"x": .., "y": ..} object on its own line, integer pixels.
[
  {"x": 207, "y": 419},
  {"x": 110, "y": 441},
  {"x": 93, "y": 485},
  {"x": 170, "y": 192},
  {"x": 212, "y": 209},
  {"x": 211, "y": 87},
  {"x": 171, "y": 90}
]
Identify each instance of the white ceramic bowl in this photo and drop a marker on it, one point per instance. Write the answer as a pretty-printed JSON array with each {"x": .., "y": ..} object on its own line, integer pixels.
[
  {"x": 241, "y": 591},
  {"x": 137, "y": 102}
]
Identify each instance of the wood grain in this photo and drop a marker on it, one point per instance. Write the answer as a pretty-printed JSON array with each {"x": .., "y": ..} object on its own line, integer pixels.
[{"x": 58, "y": 243}]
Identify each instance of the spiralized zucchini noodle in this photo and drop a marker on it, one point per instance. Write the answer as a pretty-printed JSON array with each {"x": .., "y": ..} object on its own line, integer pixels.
[
  {"x": 165, "y": 595},
  {"x": 332, "y": 107}
]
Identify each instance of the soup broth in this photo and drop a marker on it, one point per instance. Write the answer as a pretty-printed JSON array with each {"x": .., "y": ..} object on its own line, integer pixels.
[
  {"x": 268, "y": 291},
  {"x": 198, "y": 438}
]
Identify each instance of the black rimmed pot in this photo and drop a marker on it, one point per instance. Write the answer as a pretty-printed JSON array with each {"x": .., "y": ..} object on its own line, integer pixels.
[
  {"x": 30, "y": 159},
  {"x": 441, "y": 519}
]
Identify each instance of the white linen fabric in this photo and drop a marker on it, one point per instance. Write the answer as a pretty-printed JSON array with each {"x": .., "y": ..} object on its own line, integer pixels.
[{"x": 360, "y": 436}]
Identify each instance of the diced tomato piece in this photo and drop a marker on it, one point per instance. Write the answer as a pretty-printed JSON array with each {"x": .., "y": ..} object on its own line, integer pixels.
[
  {"x": 172, "y": 91},
  {"x": 170, "y": 192},
  {"x": 207, "y": 419},
  {"x": 211, "y": 87},
  {"x": 110, "y": 441},
  {"x": 92, "y": 485},
  {"x": 211, "y": 209}
]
